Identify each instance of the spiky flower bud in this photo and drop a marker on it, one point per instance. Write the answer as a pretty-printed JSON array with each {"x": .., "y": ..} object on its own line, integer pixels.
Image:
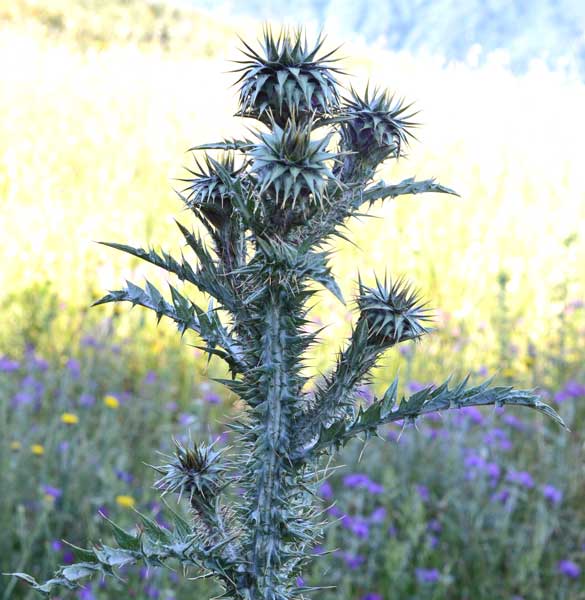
[
  {"x": 289, "y": 165},
  {"x": 393, "y": 312},
  {"x": 288, "y": 77},
  {"x": 375, "y": 125},
  {"x": 198, "y": 471},
  {"x": 206, "y": 193}
]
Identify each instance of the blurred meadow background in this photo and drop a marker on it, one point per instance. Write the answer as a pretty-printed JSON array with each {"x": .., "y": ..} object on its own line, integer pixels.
[{"x": 99, "y": 101}]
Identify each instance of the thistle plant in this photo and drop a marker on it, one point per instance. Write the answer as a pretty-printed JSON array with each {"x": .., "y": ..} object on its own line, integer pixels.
[{"x": 269, "y": 207}]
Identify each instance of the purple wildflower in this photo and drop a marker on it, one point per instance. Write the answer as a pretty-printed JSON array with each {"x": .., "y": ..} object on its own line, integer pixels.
[
  {"x": 498, "y": 437},
  {"x": 336, "y": 512},
  {"x": 552, "y": 494},
  {"x": 393, "y": 435},
  {"x": 572, "y": 390},
  {"x": 575, "y": 389},
  {"x": 51, "y": 491},
  {"x": 353, "y": 561},
  {"x": 150, "y": 377},
  {"x": 354, "y": 480},
  {"x": 326, "y": 490},
  {"x": 86, "y": 593},
  {"x": 375, "y": 488},
  {"x": 569, "y": 568},
  {"x": 74, "y": 367},
  {"x": 359, "y": 528},
  {"x": 473, "y": 414},
  {"x": 89, "y": 341},
  {"x": 124, "y": 476},
  {"x": 435, "y": 526},
  {"x": 423, "y": 492},
  {"x": 378, "y": 515},
  {"x": 212, "y": 398},
  {"x": 493, "y": 470},
  {"x": 185, "y": 419},
  {"x": 415, "y": 386},
  {"x": 561, "y": 396},
  {"x": 501, "y": 496},
  {"x": 365, "y": 392},
  {"x": 427, "y": 575},
  {"x": 474, "y": 461},
  {"x": 522, "y": 478},
  {"x": 371, "y": 596},
  {"x": 8, "y": 365},
  {"x": 300, "y": 582},
  {"x": 86, "y": 400},
  {"x": 151, "y": 592},
  {"x": 514, "y": 422},
  {"x": 57, "y": 545}
]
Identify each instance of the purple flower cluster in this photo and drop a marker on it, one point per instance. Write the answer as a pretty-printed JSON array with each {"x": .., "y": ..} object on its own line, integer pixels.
[
  {"x": 51, "y": 491},
  {"x": 569, "y": 568},
  {"x": 74, "y": 367},
  {"x": 30, "y": 393},
  {"x": 353, "y": 561},
  {"x": 522, "y": 478},
  {"x": 7, "y": 365},
  {"x": 469, "y": 414},
  {"x": 514, "y": 422},
  {"x": 572, "y": 390},
  {"x": 427, "y": 575},
  {"x": 361, "y": 480},
  {"x": 552, "y": 494},
  {"x": 476, "y": 464},
  {"x": 498, "y": 438}
]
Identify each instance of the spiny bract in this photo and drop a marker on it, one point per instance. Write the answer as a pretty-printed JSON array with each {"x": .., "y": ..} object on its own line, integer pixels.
[
  {"x": 289, "y": 76},
  {"x": 289, "y": 164}
]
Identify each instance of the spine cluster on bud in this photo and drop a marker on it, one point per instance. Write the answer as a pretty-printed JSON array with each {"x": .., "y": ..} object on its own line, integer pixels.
[{"x": 269, "y": 207}]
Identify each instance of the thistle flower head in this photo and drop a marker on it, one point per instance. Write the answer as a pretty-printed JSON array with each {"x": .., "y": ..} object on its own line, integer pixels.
[
  {"x": 207, "y": 193},
  {"x": 393, "y": 312},
  {"x": 194, "y": 471},
  {"x": 376, "y": 123},
  {"x": 289, "y": 164},
  {"x": 287, "y": 75}
]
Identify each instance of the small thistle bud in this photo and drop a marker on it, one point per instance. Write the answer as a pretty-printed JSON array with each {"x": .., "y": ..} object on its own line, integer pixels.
[
  {"x": 207, "y": 194},
  {"x": 375, "y": 125},
  {"x": 289, "y": 165},
  {"x": 288, "y": 77},
  {"x": 394, "y": 313},
  {"x": 193, "y": 472}
]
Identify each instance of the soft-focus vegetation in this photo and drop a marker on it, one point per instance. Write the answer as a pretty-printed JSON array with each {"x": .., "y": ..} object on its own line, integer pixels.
[{"x": 95, "y": 120}]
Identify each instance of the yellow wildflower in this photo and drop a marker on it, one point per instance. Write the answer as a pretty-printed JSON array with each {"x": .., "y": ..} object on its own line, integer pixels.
[
  {"x": 15, "y": 445},
  {"x": 508, "y": 372},
  {"x": 111, "y": 401},
  {"x": 125, "y": 501},
  {"x": 37, "y": 449},
  {"x": 69, "y": 418}
]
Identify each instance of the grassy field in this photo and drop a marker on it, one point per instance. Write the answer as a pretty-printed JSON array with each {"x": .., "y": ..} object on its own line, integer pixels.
[{"x": 95, "y": 122}]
